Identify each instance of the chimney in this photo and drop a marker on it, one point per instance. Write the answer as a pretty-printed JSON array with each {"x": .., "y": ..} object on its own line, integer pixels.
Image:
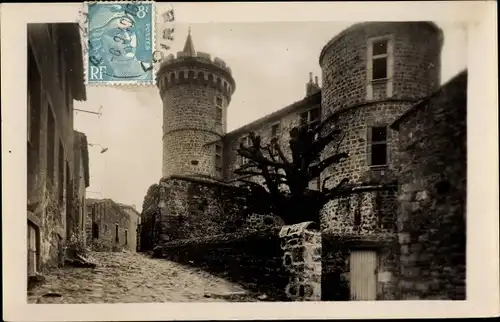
[{"x": 311, "y": 87}]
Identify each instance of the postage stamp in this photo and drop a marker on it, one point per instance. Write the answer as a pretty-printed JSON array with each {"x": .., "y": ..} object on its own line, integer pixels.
[{"x": 120, "y": 42}]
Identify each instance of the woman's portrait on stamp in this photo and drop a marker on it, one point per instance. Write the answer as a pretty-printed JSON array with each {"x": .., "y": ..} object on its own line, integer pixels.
[{"x": 116, "y": 33}]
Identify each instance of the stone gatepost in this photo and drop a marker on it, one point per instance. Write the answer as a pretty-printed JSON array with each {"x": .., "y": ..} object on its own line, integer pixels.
[{"x": 301, "y": 244}]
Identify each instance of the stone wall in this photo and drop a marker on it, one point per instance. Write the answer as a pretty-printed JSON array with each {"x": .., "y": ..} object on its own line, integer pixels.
[
  {"x": 253, "y": 259},
  {"x": 53, "y": 83},
  {"x": 112, "y": 224},
  {"x": 182, "y": 207},
  {"x": 302, "y": 259},
  {"x": 135, "y": 221},
  {"x": 415, "y": 66},
  {"x": 432, "y": 177}
]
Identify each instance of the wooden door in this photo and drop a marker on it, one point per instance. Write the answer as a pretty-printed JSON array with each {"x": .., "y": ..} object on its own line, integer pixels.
[
  {"x": 32, "y": 250},
  {"x": 363, "y": 272}
]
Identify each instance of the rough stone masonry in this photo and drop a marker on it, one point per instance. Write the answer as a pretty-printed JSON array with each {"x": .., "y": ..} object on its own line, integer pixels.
[{"x": 373, "y": 73}]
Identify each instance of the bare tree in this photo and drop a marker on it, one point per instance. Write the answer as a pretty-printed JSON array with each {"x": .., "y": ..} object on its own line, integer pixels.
[{"x": 285, "y": 191}]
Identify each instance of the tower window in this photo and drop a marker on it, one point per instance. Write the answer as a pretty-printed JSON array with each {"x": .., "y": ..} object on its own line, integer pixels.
[
  {"x": 310, "y": 118},
  {"x": 378, "y": 146},
  {"x": 218, "y": 109},
  {"x": 117, "y": 237},
  {"x": 218, "y": 158},
  {"x": 379, "y": 59}
]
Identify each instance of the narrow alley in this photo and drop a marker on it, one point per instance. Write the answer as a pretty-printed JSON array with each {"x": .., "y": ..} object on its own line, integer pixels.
[{"x": 126, "y": 277}]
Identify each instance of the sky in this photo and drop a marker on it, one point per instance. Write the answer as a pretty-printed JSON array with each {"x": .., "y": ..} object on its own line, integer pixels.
[{"x": 270, "y": 62}]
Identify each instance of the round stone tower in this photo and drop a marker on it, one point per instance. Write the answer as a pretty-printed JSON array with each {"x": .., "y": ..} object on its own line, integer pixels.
[
  {"x": 372, "y": 72},
  {"x": 196, "y": 91}
]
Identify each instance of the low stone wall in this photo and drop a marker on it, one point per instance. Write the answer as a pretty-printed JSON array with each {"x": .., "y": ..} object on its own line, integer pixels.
[
  {"x": 181, "y": 208},
  {"x": 283, "y": 263},
  {"x": 253, "y": 259}
]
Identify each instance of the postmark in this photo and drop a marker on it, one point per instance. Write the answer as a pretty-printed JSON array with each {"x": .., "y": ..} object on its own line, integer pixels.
[{"x": 120, "y": 42}]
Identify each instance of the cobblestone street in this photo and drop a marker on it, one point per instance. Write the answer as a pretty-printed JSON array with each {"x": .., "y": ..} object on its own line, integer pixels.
[{"x": 126, "y": 277}]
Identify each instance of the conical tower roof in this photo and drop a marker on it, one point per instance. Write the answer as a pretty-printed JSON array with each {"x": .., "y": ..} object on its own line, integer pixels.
[{"x": 189, "y": 46}]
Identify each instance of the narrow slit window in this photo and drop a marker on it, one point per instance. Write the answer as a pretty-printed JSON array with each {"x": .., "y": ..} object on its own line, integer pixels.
[
  {"x": 218, "y": 109},
  {"x": 218, "y": 158}
]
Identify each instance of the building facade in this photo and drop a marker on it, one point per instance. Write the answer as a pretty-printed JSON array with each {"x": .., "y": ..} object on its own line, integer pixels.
[
  {"x": 372, "y": 74},
  {"x": 55, "y": 79},
  {"x": 108, "y": 226},
  {"x": 135, "y": 222},
  {"x": 432, "y": 173},
  {"x": 82, "y": 182}
]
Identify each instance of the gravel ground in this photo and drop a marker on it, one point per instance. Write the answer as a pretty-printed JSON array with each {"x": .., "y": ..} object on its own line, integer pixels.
[{"x": 127, "y": 277}]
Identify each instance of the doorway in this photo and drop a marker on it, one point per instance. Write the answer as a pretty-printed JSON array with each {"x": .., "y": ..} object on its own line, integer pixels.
[{"x": 363, "y": 275}]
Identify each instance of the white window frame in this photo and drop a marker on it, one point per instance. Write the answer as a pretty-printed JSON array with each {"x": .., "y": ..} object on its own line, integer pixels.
[{"x": 390, "y": 65}]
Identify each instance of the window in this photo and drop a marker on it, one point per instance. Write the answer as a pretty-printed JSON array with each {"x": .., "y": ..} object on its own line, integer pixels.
[
  {"x": 247, "y": 142},
  {"x": 61, "y": 174},
  {"x": 310, "y": 118},
  {"x": 218, "y": 158},
  {"x": 105, "y": 228},
  {"x": 50, "y": 147},
  {"x": 218, "y": 109},
  {"x": 378, "y": 146},
  {"x": 126, "y": 236},
  {"x": 379, "y": 59},
  {"x": 315, "y": 184},
  {"x": 275, "y": 129},
  {"x": 117, "y": 237}
]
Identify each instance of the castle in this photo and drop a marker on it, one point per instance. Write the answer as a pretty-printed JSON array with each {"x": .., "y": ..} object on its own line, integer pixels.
[{"x": 375, "y": 75}]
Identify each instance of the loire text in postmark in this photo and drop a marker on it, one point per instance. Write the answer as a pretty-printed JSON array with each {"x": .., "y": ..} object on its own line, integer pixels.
[{"x": 120, "y": 42}]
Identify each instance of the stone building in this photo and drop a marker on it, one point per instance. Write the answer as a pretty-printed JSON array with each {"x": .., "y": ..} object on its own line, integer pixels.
[
  {"x": 55, "y": 79},
  {"x": 135, "y": 222},
  {"x": 82, "y": 182},
  {"x": 432, "y": 174},
  {"x": 108, "y": 226},
  {"x": 372, "y": 74}
]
